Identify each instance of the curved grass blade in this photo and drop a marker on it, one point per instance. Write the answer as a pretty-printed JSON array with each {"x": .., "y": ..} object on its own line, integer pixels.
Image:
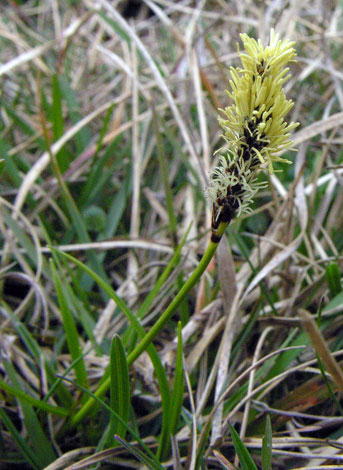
[
  {"x": 151, "y": 464},
  {"x": 223, "y": 461},
  {"x": 322, "y": 349},
  {"x": 42, "y": 405},
  {"x": 76, "y": 298},
  {"x": 22, "y": 237}
]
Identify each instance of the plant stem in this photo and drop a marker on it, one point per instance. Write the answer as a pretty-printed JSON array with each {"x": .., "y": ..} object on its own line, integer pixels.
[
  {"x": 181, "y": 295},
  {"x": 158, "y": 326}
]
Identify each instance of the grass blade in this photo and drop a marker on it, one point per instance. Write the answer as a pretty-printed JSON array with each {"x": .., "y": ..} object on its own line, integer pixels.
[
  {"x": 333, "y": 280},
  {"x": 42, "y": 405},
  {"x": 245, "y": 458},
  {"x": 2, "y": 165},
  {"x": 120, "y": 386},
  {"x": 35, "y": 432},
  {"x": 322, "y": 349},
  {"x": 98, "y": 165},
  {"x": 267, "y": 446},
  {"x": 57, "y": 122},
  {"x": 170, "y": 421},
  {"x": 177, "y": 395},
  {"x": 117, "y": 417},
  {"x": 36, "y": 352},
  {"x": 83, "y": 137},
  {"x": 24, "y": 448},
  {"x": 11, "y": 168},
  {"x": 70, "y": 330},
  {"x": 151, "y": 464}
]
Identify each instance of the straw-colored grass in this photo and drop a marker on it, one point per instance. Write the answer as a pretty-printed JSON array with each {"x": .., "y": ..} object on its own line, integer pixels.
[{"x": 109, "y": 125}]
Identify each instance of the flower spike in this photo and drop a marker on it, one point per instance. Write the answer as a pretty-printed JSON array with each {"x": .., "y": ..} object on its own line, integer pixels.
[{"x": 254, "y": 126}]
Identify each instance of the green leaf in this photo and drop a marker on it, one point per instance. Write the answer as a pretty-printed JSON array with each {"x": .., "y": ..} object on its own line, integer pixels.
[
  {"x": 100, "y": 170},
  {"x": 11, "y": 168},
  {"x": 22, "y": 124},
  {"x": 333, "y": 280},
  {"x": 117, "y": 207},
  {"x": 120, "y": 386},
  {"x": 21, "y": 236},
  {"x": 83, "y": 137},
  {"x": 165, "y": 177},
  {"x": 57, "y": 112},
  {"x": 42, "y": 405},
  {"x": 35, "y": 433},
  {"x": 115, "y": 27},
  {"x": 95, "y": 218},
  {"x": 70, "y": 329},
  {"x": 170, "y": 420},
  {"x": 22, "y": 445},
  {"x": 2, "y": 165},
  {"x": 147, "y": 302},
  {"x": 143, "y": 309},
  {"x": 78, "y": 299},
  {"x": 58, "y": 123},
  {"x": 177, "y": 394},
  {"x": 38, "y": 354},
  {"x": 134, "y": 435},
  {"x": 267, "y": 446},
  {"x": 335, "y": 302},
  {"x": 245, "y": 458}
]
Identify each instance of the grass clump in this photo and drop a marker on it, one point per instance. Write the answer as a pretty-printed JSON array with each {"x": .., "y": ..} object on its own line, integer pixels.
[{"x": 129, "y": 335}]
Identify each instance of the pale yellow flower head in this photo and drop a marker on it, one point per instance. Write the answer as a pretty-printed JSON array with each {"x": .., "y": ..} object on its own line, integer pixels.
[{"x": 254, "y": 125}]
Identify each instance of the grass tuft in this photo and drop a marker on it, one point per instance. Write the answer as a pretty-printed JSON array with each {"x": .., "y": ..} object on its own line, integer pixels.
[{"x": 112, "y": 353}]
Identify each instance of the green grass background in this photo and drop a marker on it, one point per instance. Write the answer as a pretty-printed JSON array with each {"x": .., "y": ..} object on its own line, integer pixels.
[{"x": 107, "y": 134}]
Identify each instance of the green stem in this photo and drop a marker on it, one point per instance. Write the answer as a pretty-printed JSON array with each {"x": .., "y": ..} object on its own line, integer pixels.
[
  {"x": 181, "y": 295},
  {"x": 158, "y": 326}
]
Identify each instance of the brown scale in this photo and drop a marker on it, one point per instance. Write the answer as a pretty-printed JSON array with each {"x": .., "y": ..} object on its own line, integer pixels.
[
  {"x": 250, "y": 141},
  {"x": 261, "y": 68},
  {"x": 229, "y": 205}
]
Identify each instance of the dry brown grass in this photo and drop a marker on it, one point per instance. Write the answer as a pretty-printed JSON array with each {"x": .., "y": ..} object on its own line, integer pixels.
[{"x": 170, "y": 58}]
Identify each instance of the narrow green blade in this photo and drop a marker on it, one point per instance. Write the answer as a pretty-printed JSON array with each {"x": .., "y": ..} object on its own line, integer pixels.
[
  {"x": 120, "y": 386},
  {"x": 245, "y": 458},
  {"x": 267, "y": 446}
]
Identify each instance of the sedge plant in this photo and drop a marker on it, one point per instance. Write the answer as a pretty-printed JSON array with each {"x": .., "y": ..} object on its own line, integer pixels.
[{"x": 255, "y": 132}]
